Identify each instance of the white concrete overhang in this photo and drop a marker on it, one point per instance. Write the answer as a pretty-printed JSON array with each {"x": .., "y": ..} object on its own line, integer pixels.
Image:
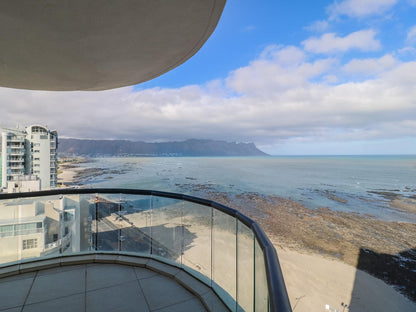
[{"x": 99, "y": 44}]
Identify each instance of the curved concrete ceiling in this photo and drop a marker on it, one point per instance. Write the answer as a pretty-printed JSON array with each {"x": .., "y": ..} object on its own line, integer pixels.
[{"x": 99, "y": 44}]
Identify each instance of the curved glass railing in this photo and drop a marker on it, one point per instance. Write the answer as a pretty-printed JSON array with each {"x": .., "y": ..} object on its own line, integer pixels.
[{"x": 216, "y": 244}]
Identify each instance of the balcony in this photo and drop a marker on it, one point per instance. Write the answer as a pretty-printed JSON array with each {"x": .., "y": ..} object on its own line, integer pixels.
[
  {"x": 16, "y": 160},
  {"x": 16, "y": 153},
  {"x": 15, "y": 141},
  {"x": 15, "y": 172},
  {"x": 183, "y": 248}
]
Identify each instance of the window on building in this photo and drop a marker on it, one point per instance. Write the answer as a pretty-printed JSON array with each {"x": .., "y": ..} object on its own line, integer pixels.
[
  {"x": 28, "y": 228},
  {"x": 30, "y": 243},
  {"x": 6, "y": 230},
  {"x": 55, "y": 237}
]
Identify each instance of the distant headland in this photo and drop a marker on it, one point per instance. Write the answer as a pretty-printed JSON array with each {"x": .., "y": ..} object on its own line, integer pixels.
[{"x": 125, "y": 148}]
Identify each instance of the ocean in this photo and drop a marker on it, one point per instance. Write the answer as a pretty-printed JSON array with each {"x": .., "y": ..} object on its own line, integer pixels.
[{"x": 358, "y": 184}]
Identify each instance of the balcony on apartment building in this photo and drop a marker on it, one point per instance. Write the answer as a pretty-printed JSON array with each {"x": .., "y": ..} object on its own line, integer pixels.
[
  {"x": 121, "y": 249},
  {"x": 135, "y": 250}
]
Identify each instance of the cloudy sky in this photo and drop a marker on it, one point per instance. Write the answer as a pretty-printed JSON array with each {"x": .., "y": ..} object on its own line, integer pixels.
[{"x": 294, "y": 77}]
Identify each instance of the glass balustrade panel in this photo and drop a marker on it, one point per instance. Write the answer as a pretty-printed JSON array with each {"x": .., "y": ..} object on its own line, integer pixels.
[
  {"x": 10, "y": 243},
  {"x": 134, "y": 221},
  {"x": 167, "y": 230},
  {"x": 107, "y": 206},
  {"x": 224, "y": 257},
  {"x": 211, "y": 245},
  {"x": 79, "y": 226},
  {"x": 245, "y": 268},
  {"x": 197, "y": 223},
  {"x": 261, "y": 291}
]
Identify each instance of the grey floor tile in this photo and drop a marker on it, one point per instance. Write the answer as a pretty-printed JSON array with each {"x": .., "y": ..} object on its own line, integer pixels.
[
  {"x": 124, "y": 297},
  {"x": 13, "y": 292},
  {"x": 105, "y": 275},
  {"x": 192, "y": 305},
  {"x": 66, "y": 304},
  {"x": 111, "y": 288},
  {"x": 161, "y": 291},
  {"x": 61, "y": 284},
  {"x": 18, "y": 277},
  {"x": 144, "y": 273},
  {"x": 17, "y": 309}
]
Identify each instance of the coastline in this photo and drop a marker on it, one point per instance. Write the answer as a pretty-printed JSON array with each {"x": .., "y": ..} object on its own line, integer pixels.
[
  {"x": 319, "y": 250},
  {"x": 69, "y": 171}
]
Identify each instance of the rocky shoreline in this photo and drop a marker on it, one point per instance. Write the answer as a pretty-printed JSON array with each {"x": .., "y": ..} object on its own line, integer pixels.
[{"x": 79, "y": 175}]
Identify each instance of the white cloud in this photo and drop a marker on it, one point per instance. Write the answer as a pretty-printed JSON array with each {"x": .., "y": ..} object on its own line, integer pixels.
[
  {"x": 359, "y": 8},
  {"x": 407, "y": 51},
  {"x": 279, "y": 96},
  {"x": 318, "y": 26},
  {"x": 370, "y": 67},
  {"x": 411, "y": 35},
  {"x": 362, "y": 40},
  {"x": 276, "y": 69}
]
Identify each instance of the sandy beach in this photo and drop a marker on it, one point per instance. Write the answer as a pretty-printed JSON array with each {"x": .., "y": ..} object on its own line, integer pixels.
[
  {"x": 319, "y": 252},
  {"x": 313, "y": 282},
  {"x": 68, "y": 169}
]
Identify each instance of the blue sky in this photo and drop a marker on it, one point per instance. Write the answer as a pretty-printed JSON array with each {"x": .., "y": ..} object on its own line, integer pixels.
[
  {"x": 295, "y": 77},
  {"x": 247, "y": 27}
]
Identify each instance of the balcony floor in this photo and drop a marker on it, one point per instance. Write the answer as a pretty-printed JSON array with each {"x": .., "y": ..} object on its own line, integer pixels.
[{"x": 100, "y": 287}]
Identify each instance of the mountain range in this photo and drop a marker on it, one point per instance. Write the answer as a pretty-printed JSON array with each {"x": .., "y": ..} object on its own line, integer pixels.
[{"x": 124, "y": 148}]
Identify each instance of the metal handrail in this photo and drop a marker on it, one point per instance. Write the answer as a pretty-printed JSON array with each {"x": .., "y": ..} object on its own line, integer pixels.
[{"x": 279, "y": 300}]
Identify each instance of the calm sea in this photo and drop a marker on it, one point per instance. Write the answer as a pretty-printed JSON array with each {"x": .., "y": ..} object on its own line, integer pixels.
[{"x": 345, "y": 183}]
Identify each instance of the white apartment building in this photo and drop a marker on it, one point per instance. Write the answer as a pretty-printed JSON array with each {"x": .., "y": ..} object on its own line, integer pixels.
[{"x": 29, "y": 152}]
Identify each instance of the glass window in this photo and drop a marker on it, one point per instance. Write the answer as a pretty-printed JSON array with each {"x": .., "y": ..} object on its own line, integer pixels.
[
  {"x": 6, "y": 230},
  {"x": 30, "y": 243}
]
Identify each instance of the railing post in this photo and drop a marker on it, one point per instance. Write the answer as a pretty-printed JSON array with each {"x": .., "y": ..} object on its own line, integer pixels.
[{"x": 96, "y": 223}]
